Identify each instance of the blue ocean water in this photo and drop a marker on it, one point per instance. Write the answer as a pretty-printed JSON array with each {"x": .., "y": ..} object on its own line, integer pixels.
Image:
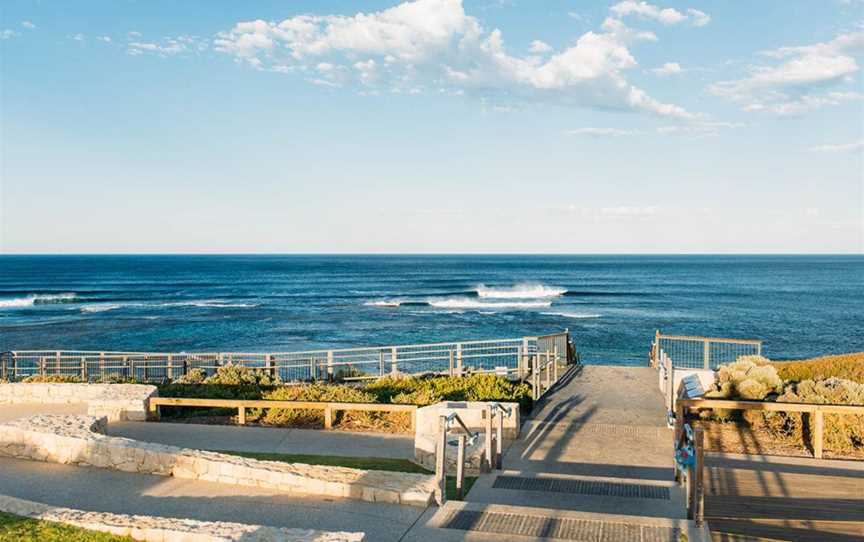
[{"x": 800, "y": 306}]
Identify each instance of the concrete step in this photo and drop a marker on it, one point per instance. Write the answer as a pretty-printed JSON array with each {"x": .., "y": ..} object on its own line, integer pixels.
[
  {"x": 629, "y": 496},
  {"x": 533, "y": 523}
]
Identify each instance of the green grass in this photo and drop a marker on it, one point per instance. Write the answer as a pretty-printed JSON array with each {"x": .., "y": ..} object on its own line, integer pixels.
[
  {"x": 21, "y": 529},
  {"x": 365, "y": 463}
]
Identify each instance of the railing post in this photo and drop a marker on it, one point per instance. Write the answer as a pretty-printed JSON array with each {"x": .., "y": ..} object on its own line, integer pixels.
[
  {"x": 394, "y": 361},
  {"x": 440, "y": 450},
  {"x": 450, "y": 362},
  {"x": 818, "y": 423},
  {"x": 127, "y": 369},
  {"x": 330, "y": 365},
  {"x": 460, "y": 466},
  {"x": 699, "y": 496},
  {"x": 459, "y": 359},
  {"x": 381, "y": 364},
  {"x": 706, "y": 355},
  {"x": 57, "y": 363},
  {"x": 42, "y": 364},
  {"x": 656, "y": 348},
  {"x": 535, "y": 376},
  {"x": 548, "y": 373},
  {"x": 555, "y": 365},
  {"x": 488, "y": 444},
  {"x": 328, "y": 417},
  {"x": 520, "y": 371},
  {"x": 241, "y": 415},
  {"x": 170, "y": 369},
  {"x": 499, "y": 439}
]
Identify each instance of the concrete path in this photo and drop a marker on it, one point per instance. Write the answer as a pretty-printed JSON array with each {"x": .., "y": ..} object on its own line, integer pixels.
[
  {"x": 119, "y": 492},
  {"x": 594, "y": 463},
  {"x": 268, "y": 439}
]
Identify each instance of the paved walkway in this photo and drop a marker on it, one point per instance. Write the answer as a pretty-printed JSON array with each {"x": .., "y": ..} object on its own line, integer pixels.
[
  {"x": 268, "y": 439},
  {"x": 119, "y": 492},
  {"x": 594, "y": 463}
]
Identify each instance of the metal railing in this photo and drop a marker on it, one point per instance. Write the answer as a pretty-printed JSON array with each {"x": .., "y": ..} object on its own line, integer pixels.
[
  {"x": 445, "y": 423},
  {"x": 690, "y": 468},
  {"x": 503, "y": 356},
  {"x": 688, "y": 352}
]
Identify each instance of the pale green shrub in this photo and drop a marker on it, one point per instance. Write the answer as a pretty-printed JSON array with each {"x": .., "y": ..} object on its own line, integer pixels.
[
  {"x": 192, "y": 376},
  {"x": 240, "y": 375}
]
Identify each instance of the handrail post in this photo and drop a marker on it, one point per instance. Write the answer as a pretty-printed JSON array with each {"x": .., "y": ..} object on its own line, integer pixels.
[
  {"x": 459, "y": 359},
  {"x": 499, "y": 439},
  {"x": 460, "y": 466},
  {"x": 440, "y": 450},
  {"x": 699, "y": 496},
  {"x": 394, "y": 361},
  {"x": 706, "y": 354},
  {"x": 488, "y": 444},
  {"x": 84, "y": 368},
  {"x": 330, "y": 366},
  {"x": 535, "y": 376},
  {"x": 818, "y": 423},
  {"x": 450, "y": 362},
  {"x": 548, "y": 372},
  {"x": 519, "y": 369}
]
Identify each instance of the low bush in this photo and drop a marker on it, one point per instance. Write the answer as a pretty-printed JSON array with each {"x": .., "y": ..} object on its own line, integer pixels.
[
  {"x": 750, "y": 377},
  {"x": 53, "y": 379},
  {"x": 315, "y": 417},
  {"x": 240, "y": 375},
  {"x": 192, "y": 376},
  {"x": 845, "y": 366},
  {"x": 841, "y": 432}
]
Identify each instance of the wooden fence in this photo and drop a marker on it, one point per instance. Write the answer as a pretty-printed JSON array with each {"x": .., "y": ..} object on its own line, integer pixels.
[
  {"x": 242, "y": 404},
  {"x": 507, "y": 356},
  {"x": 815, "y": 412}
]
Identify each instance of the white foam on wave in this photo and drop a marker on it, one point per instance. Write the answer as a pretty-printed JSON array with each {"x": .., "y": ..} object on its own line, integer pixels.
[
  {"x": 465, "y": 303},
  {"x": 100, "y": 307},
  {"x": 579, "y": 315},
  {"x": 30, "y": 300},
  {"x": 520, "y": 291},
  {"x": 383, "y": 303}
]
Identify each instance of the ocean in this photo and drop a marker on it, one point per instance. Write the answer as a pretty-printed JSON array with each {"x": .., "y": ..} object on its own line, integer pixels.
[{"x": 801, "y": 306}]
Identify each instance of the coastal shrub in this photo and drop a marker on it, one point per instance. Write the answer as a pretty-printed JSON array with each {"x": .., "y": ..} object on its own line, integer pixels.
[
  {"x": 841, "y": 432},
  {"x": 52, "y": 379},
  {"x": 315, "y": 417},
  {"x": 385, "y": 389},
  {"x": 240, "y": 375},
  {"x": 845, "y": 366},
  {"x": 478, "y": 387},
  {"x": 192, "y": 376},
  {"x": 751, "y": 378}
]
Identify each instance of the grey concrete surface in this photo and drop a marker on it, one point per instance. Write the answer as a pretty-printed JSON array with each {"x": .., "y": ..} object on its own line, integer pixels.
[
  {"x": 268, "y": 439},
  {"x": 119, "y": 492}
]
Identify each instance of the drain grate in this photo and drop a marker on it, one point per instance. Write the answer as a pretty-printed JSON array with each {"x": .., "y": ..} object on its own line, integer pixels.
[
  {"x": 583, "y": 487},
  {"x": 583, "y": 530}
]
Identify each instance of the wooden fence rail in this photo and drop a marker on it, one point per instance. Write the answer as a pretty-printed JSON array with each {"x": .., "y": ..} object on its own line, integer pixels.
[
  {"x": 815, "y": 412},
  {"x": 242, "y": 404}
]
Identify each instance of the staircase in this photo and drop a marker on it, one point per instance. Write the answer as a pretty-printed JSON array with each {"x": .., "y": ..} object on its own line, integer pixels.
[{"x": 593, "y": 464}]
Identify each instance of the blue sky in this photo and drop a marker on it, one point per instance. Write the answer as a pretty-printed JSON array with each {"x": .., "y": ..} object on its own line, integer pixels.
[{"x": 432, "y": 126}]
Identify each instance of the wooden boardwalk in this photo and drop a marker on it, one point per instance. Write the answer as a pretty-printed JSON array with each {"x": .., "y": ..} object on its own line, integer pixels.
[{"x": 753, "y": 497}]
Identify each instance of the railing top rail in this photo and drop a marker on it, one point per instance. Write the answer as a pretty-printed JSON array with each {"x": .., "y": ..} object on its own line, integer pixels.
[
  {"x": 453, "y": 416},
  {"x": 300, "y": 352},
  {"x": 709, "y": 339},
  {"x": 771, "y": 405},
  {"x": 498, "y": 406}
]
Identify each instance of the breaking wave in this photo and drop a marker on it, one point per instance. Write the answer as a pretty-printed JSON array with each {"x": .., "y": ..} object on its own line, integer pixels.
[
  {"x": 36, "y": 299},
  {"x": 520, "y": 291},
  {"x": 474, "y": 304}
]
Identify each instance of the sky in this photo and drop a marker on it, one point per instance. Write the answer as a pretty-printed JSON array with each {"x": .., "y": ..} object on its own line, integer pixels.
[{"x": 432, "y": 126}]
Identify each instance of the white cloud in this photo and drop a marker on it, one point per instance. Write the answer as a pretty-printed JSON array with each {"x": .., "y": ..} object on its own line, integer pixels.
[
  {"x": 7, "y": 34},
  {"x": 791, "y": 86},
  {"x": 667, "y": 16},
  {"x": 699, "y": 18},
  {"x": 28, "y": 25},
  {"x": 79, "y": 37},
  {"x": 434, "y": 44},
  {"x": 167, "y": 47},
  {"x": 134, "y": 34},
  {"x": 698, "y": 128},
  {"x": 669, "y": 68},
  {"x": 576, "y": 16},
  {"x": 106, "y": 39},
  {"x": 855, "y": 146},
  {"x": 603, "y": 132},
  {"x": 540, "y": 47}
]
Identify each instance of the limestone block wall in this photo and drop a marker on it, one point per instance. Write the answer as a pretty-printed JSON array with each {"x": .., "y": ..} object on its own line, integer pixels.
[
  {"x": 117, "y": 402},
  {"x": 161, "y": 529},
  {"x": 79, "y": 440}
]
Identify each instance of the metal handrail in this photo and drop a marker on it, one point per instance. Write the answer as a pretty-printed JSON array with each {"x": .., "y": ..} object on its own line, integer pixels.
[
  {"x": 445, "y": 423},
  {"x": 498, "y": 406},
  {"x": 689, "y": 466}
]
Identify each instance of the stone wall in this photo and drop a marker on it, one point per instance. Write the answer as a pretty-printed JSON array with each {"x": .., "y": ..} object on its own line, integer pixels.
[
  {"x": 117, "y": 402},
  {"x": 79, "y": 440},
  {"x": 160, "y": 529}
]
